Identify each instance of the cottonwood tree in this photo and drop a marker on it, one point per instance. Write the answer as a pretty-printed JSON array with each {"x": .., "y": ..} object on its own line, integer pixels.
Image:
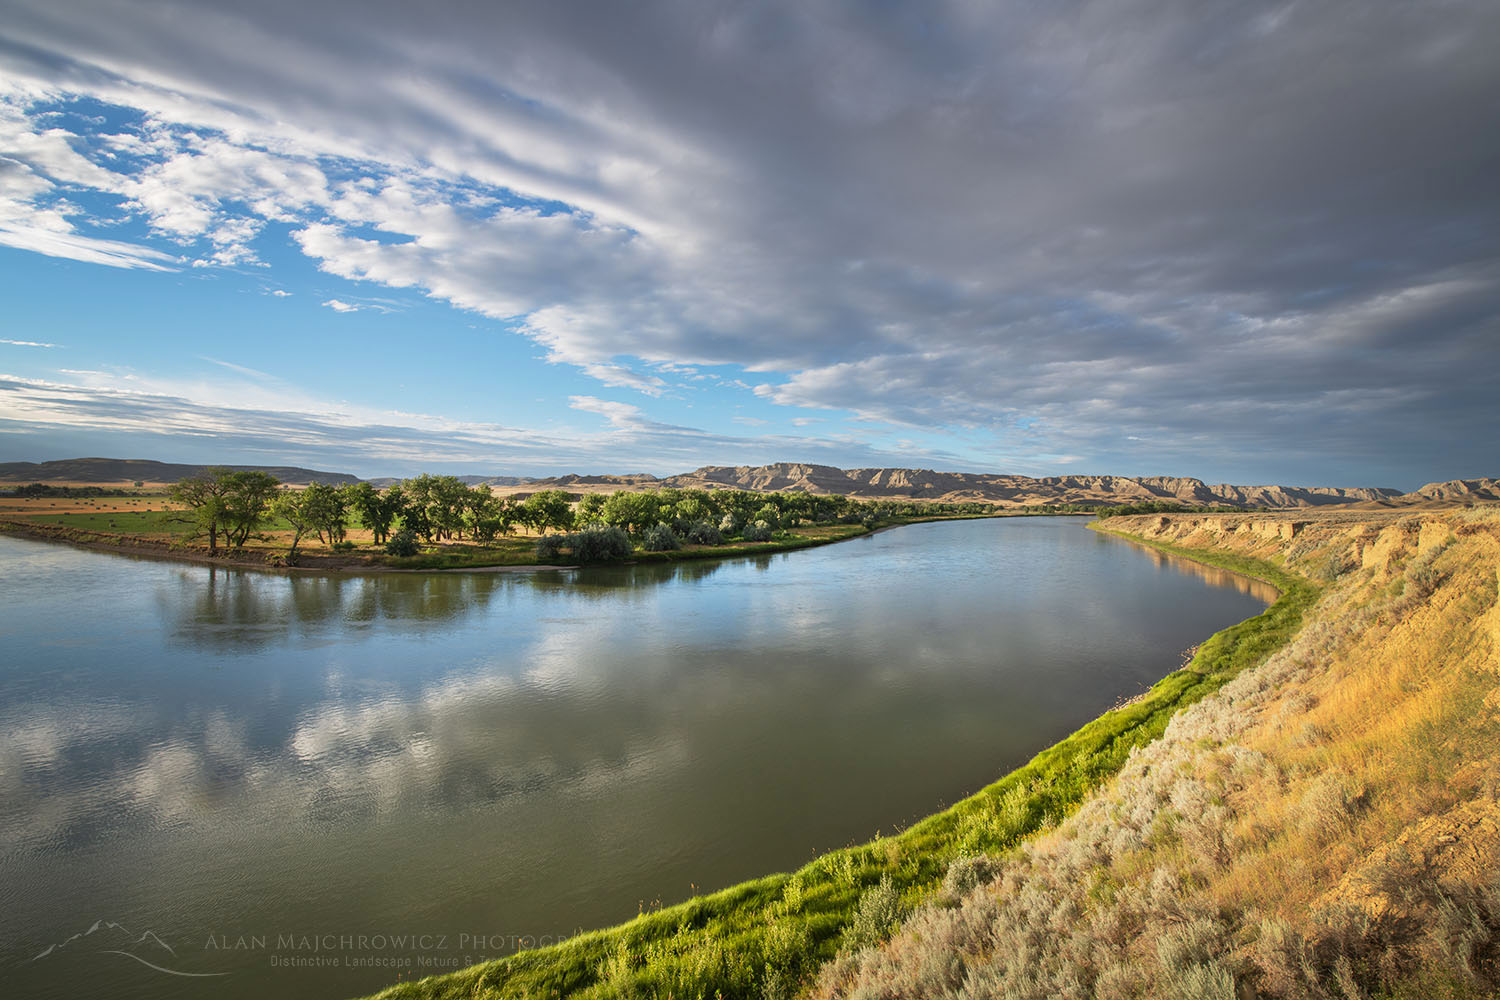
[
  {"x": 220, "y": 500},
  {"x": 376, "y": 510},
  {"x": 205, "y": 496},
  {"x": 290, "y": 506},
  {"x": 327, "y": 509},
  {"x": 249, "y": 497},
  {"x": 549, "y": 509}
]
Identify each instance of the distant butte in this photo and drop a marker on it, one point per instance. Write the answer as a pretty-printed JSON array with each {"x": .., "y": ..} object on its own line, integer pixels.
[{"x": 871, "y": 484}]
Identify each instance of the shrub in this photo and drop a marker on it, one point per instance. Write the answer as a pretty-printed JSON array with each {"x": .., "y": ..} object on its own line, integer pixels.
[
  {"x": 600, "y": 543},
  {"x": 760, "y": 531},
  {"x": 660, "y": 538},
  {"x": 550, "y": 546},
  {"x": 344, "y": 546},
  {"x": 703, "y": 533},
  {"x": 402, "y": 543},
  {"x": 878, "y": 914},
  {"x": 728, "y": 525},
  {"x": 770, "y": 515},
  {"x": 968, "y": 873}
]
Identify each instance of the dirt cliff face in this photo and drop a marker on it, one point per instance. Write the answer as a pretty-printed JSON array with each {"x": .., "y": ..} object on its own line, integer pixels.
[{"x": 1010, "y": 491}]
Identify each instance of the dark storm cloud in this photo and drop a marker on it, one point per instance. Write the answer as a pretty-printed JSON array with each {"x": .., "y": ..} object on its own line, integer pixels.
[{"x": 1147, "y": 230}]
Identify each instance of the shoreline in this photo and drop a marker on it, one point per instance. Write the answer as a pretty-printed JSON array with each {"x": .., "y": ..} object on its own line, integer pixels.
[{"x": 310, "y": 562}]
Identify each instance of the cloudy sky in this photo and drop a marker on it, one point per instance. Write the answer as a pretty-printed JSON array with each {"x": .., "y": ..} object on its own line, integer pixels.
[{"x": 1250, "y": 242}]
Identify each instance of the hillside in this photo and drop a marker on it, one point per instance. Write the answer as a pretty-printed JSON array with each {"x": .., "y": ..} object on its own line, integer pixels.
[
  {"x": 957, "y": 487},
  {"x": 1325, "y": 826},
  {"x": 132, "y": 470},
  {"x": 1011, "y": 490}
]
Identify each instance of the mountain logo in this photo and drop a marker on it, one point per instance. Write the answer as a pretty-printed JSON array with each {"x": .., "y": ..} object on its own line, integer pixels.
[{"x": 106, "y": 937}]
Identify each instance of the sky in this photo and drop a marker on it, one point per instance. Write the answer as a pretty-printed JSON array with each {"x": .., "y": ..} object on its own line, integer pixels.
[{"x": 1251, "y": 242}]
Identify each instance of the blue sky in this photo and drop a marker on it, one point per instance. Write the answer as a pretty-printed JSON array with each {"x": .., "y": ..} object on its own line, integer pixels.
[{"x": 1248, "y": 243}]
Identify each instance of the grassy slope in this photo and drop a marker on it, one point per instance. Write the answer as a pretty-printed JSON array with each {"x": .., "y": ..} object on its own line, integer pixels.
[
  {"x": 783, "y": 926},
  {"x": 1325, "y": 826}
]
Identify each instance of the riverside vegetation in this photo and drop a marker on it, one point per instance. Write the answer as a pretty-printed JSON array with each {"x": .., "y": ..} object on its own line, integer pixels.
[
  {"x": 1308, "y": 809},
  {"x": 439, "y": 522}
]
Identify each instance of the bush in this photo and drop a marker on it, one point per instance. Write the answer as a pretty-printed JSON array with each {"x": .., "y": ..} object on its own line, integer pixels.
[
  {"x": 703, "y": 533},
  {"x": 600, "y": 543},
  {"x": 968, "y": 873},
  {"x": 550, "y": 546},
  {"x": 879, "y": 913},
  {"x": 760, "y": 531},
  {"x": 660, "y": 538},
  {"x": 728, "y": 525},
  {"x": 344, "y": 546},
  {"x": 402, "y": 543}
]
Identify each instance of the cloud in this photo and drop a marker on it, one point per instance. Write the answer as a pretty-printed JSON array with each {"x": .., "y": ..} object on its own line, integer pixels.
[
  {"x": 239, "y": 369},
  {"x": 249, "y": 419},
  {"x": 338, "y": 305},
  {"x": 1198, "y": 223},
  {"x": 27, "y": 343},
  {"x": 280, "y": 293}
]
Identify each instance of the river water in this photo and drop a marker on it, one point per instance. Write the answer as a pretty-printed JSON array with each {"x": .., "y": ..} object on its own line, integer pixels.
[{"x": 316, "y": 786}]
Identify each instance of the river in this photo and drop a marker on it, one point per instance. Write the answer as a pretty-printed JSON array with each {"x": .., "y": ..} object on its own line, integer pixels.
[{"x": 313, "y": 786}]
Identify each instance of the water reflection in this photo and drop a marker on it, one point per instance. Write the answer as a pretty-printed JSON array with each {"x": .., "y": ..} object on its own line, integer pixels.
[{"x": 1212, "y": 575}]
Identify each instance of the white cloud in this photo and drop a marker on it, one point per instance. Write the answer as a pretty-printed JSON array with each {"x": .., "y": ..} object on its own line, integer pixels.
[
  {"x": 337, "y": 305},
  {"x": 27, "y": 343},
  {"x": 620, "y": 415},
  {"x": 90, "y": 250}
]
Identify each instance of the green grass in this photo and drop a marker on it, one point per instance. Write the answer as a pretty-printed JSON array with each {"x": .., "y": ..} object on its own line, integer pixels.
[
  {"x": 125, "y": 522},
  {"x": 784, "y": 926}
]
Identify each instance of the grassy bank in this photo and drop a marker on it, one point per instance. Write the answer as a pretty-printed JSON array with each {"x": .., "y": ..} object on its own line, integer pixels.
[
  {"x": 1325, "y": 826},
  {"x": 767, "y": 937}
]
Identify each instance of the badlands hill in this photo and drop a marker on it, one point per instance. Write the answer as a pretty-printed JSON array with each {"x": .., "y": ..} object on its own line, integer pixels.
[
  {"x": 870, "y": 484},
  {"x": 1012, "y": 490},
  {"x": 140, "y": 470}
]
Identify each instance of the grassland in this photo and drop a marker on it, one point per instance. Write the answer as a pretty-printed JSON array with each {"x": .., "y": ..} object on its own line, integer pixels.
[{"x": 769, "y": 937}]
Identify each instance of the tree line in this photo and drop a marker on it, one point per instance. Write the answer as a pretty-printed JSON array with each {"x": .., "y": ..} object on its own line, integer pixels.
[
  {"x": 223, "y": 503},
  {"x": 234, "y": 505}
]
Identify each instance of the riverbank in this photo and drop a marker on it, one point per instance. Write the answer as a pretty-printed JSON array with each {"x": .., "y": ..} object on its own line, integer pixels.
[
  {"x": 762, "y": 938},
  {"x": 516, "y": 556},
  {"x": 1325, "y": 825}
]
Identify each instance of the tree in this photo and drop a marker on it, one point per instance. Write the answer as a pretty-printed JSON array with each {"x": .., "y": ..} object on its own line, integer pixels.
[
  {"x": 248, "y": 497},
  {"x": 221, "y": 500},
  {"x": 549, "y": 509},
  {"x": 375, "y": 509},
  {"x": 631, "y": 511},
  {"x": 487, "y": 515},
  {"x": 417, "y": 494},
  {"x": 290, "y": 507},
  {"x": 325, "y": 507},
  {"x": 205, "y": 495},
  {"x": 590, "y": 509}
]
